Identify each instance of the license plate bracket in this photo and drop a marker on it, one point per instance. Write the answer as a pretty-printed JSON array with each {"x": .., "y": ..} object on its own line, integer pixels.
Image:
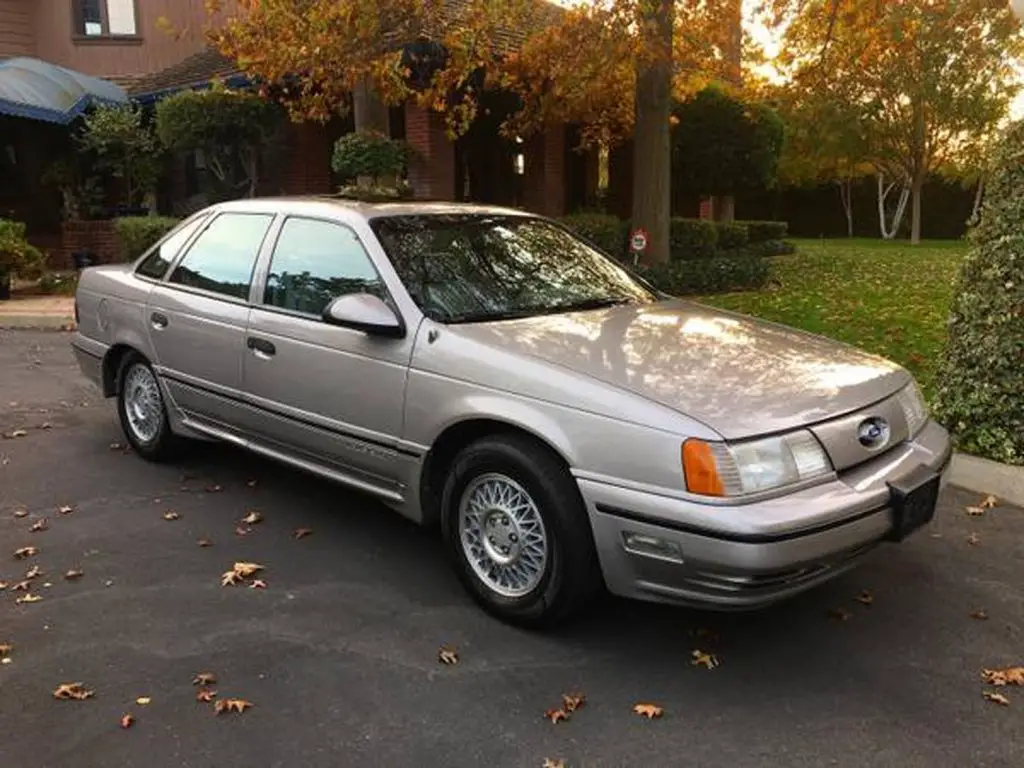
[{"x": 912, "y": 501}]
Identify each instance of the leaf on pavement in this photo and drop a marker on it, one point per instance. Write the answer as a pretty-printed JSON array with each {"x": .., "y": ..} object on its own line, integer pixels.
[
  {"x": 21, "y": 512},
  {"x": 213, "y": 488},
  {"x": 39, "y": 525},
  {"x": 171, "y": 515},
  {"x": 127, "y": 720},
  {"x": 72, "y": 691},
  {"x": 974, "y": 511},
  {"x": 66, "y": 509},
  {"x": 252, "y": 483},
  {"x": 980, "y": 615},
  {"x": 204, "y": 678},
  {"x": 205, "y": 695},
  {"x": 996, "y": 698},
  {"x": 252, "y": 518},
  {"x": 245, "y": 570},
  {"x": 115, "y": 446},
  {"x": 231, "y": 705},
  {"x": 5, "y": 650},
  {"x": 448, "y": 655},
  {"x": 258, "y": 584},
  {"x": 550, "y": 762},
  {"x": 974, "y": 540},
  {"x": 229, "y": 579},
  {"x": 989, "y": 502},
  {"x": 1005, "y": 676},
  {"x": 34, "y": 572},
  {"x": 650, "y": 711},
  {"x": 573, "y": 701},
  {"x": 204, "y": 543},
  {"x": 700, "y": 658},
  {"x": 839, "y": 614},
  {"x": 22, "y": 552},
  {"x": 865, "y": 597},
  {"x": 18, "y": 433},
  {"x": 143, "y": 700},
  {"x": 28, "y": 598},
  {"x": 556, "y": 715},
  {"x": 301, "y": 533},
  {"x": 240, "y": 531},
  {"x": 21, "y": 586}
]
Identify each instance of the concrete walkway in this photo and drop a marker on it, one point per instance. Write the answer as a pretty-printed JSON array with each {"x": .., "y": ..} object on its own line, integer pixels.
[{"x": 44, "y": 312}]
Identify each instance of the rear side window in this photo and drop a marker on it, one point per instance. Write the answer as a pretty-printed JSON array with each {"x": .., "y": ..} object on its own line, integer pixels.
[
  {"x": 222, "y": 258},
  {"x": 155, "y": 265}
]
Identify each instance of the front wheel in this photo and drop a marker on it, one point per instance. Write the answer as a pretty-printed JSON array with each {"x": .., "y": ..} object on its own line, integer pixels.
[
  {"x": 141, "y": 409},
  {"x": 517, "y": 530}
]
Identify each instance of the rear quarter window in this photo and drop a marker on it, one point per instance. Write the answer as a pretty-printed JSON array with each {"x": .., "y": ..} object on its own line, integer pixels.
[{"x": 155, "y": 265}]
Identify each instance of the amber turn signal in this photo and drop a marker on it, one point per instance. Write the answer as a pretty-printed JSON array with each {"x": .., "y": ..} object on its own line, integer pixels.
[{"x": 700, "y": 469}]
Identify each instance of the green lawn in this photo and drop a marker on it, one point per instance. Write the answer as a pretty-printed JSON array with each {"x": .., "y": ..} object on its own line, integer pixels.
[{"x": 886, "y": 297}]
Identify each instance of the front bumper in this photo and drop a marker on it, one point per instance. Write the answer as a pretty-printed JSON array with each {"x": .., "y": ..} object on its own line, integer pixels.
[{"x": 750, "y": 555}]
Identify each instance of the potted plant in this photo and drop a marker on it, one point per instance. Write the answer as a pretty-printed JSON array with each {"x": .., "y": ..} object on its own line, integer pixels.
[
  {"x": 18, "y": 257},
  {"x": 374, "y": 162}
]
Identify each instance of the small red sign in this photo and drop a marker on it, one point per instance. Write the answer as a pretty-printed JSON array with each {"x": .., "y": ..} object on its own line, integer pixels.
[{"x": 638, "y": 241}]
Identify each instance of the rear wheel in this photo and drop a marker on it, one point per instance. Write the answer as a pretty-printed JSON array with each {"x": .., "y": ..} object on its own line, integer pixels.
[
  {"x": 140, "y": 406},
  {"x": 517, "y": 530}
]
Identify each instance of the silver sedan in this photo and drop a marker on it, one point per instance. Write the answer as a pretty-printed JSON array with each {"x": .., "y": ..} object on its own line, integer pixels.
[{"x": 567, "y": 428}]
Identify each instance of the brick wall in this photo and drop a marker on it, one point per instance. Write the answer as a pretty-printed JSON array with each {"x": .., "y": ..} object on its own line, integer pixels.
[
  {"x": 432, "y": 170},
  {"x": 544, "y": 188},
  {"x": 306, "y": 160},
  {"x": 98, "y": 237}
]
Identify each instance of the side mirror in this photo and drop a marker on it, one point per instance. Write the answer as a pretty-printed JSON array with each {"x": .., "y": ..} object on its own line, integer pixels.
[{"x": 364, "y": 312}]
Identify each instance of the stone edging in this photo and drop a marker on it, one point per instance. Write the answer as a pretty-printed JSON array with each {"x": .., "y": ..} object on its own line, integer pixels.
[{"x": 1003, "y": 481}]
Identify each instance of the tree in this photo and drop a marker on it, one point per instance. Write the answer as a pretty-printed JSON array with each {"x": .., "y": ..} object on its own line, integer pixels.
[
  {"x": 125, "y": 147},
  {"x": 744, "y": 154},
  {"x": 232, "y": 129},
  {"x": 981, "y": 374},
  {"x": 922, "y": 76}
]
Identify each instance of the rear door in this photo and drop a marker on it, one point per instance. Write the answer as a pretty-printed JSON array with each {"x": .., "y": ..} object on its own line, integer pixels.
[
  {"x": 197, "y": 317},
  {"x": 333, "y": 395}
]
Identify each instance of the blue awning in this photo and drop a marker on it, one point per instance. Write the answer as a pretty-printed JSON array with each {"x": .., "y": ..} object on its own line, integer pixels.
[{"x": 39, "y": 91}]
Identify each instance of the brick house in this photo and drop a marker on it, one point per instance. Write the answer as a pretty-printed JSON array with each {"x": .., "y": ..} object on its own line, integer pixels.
[{"x": 121, "y": 40}]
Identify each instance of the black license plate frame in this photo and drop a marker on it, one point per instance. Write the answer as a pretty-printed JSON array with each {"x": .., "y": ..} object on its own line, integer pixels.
[{"x": 913, "y": 498}]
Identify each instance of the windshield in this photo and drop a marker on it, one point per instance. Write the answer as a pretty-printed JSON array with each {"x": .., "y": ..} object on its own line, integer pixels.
[{"x": 475, "y": 268}]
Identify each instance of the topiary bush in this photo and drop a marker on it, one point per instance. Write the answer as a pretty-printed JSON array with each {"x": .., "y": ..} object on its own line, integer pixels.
[
  {"x": 692, "y": 239},
  {"x": 980, "y": 391},
  {"x": 605, "y": 231},
  {"x": 369, "y": 154},
  {"x": 136, "y": 234},
  {"x": 742, "y": 271},
  {"x": 763, "y": 231},
  {"x": 732, "y": 235},
  {"x": 18, "y": 257}
]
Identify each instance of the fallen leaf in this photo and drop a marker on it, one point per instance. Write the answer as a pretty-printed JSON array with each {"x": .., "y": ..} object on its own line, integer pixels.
[
  {"x": 213, "y": 488},
  {"x": 6, "y": 660},
  {"x": 171, "y": 515},
  {"x": 996, "y": 698},
  {"x": 127, "y": 720},
  {"x": 252, "y": 518},
  {"x": 46, "y": 425},
  {"x": 23, "y": 552},
  {"x": 28, "y": 598},
  {"x": 258, "y": 584},
  {"x": 116, "y": 446},
  {"x": 448, "y": 655},
  {"x": 73, "y": 574},
  {"x": 205, "y": 696},
  {"x": 974, "y": 540},
  {"x": 67, "y": 509},
  {"x": 246, "y": 570},
  {"x": 1006, "y": 676},
  {"x": 301, "y": 533},
  {"x": 231, "y": 705},
  {"x": 21, "y": 586},
  {"x": 33, "y": 572},
  {"x": 865, "y": 597},
  {"x": 3, "y": 585},
  {"x": 550, "y": 762},
  {"x": 22, "y": 512},
  {"x": 704, "y": 659},
  {"x": 573, "y": 701},
  {"x": 230, "y": 578},
  {"x": 39, "y": 525},
  {"x": 5, "y": 650},
  {"x": 974, "y": 511},
  {"x": 980, "y": 615},
  {"x": 989, "y": 502},
  {"x": 650, "y": 711},
  {"x": 204, "y": 678},
  {"x": 143, "y": 700},
  {"x": 556, "y": 715},
  {"x": 204, "y": 543},
  {"x": 76, "y": 691},
  {"x": 240, "y": 531},
  {"x": 18, "y": 433},
  {"x": 839, "y": 614}
]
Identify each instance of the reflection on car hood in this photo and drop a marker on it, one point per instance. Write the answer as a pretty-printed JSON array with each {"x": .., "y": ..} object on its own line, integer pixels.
[{"x": 738, "y": 375}]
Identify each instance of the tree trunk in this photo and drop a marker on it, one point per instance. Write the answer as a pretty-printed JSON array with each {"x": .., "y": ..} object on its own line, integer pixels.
[
  {"x": 979, "y": 195},
  {"x": 901, "y": 206},
  {"x": 652, "y": 148},
  {"x": 846, "y": 197},
  {"x": 915, "y": 209}
]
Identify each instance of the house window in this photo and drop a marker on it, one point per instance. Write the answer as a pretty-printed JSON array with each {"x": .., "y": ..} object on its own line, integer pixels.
[{"x": 105, "y": 18}]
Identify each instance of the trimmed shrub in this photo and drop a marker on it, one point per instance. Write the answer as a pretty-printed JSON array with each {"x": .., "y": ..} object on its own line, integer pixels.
[
  {"x": 692, "y": 239},
  {"x": 980, "y": 391},
  {"x": 731, "y": 235},
  {"x": 763, "y": 231},
  {"x": 18, "y": 257},
  {"x": 743, "y": 271},
  {"x": 607, "y": 232},
  {"x": 136, "y": 234}
]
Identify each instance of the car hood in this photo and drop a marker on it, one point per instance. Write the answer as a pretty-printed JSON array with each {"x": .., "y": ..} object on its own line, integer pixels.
[{"x": 738, "y": 375}]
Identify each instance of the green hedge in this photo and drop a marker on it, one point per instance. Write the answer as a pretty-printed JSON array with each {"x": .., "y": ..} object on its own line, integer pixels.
[
  {"x": 692, "y": 239},
  {"x": 606, "y": 232},
  {"x": 731, "y": 235},
  {"x": 136, "y": 234},
  {"x": 763, "y": 231},
  {"x": 744, "y": 270}
]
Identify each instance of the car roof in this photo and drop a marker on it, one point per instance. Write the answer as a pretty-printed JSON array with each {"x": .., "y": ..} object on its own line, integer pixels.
[{"x": 326, "y": 204}]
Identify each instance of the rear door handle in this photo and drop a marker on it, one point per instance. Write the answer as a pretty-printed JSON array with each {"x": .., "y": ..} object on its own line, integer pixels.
[
  {"x": 261, "y": 347},
  {"x": 159, "y": 320}
]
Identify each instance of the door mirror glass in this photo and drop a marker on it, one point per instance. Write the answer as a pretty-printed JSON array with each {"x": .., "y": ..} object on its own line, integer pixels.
[{"x": 364, "y": 312}]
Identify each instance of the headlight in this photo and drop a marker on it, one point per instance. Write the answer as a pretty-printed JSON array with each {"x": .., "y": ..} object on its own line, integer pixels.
[
  {"x": 914, "y": 408},
  {"x": 722, "y": 469}
]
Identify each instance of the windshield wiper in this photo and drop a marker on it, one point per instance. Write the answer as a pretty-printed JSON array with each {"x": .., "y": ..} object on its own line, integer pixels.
[
  {"x": 595, "y": 303},
  {"x": 486, "y": 316}
]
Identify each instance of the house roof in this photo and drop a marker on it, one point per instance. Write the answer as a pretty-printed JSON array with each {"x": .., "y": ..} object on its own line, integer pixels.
[{"x": 209, "y": 64}]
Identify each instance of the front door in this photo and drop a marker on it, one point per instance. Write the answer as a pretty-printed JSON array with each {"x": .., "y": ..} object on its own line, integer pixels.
[
  {"x": 197, "y": 318},
  {"x": 331, "y": 395}
]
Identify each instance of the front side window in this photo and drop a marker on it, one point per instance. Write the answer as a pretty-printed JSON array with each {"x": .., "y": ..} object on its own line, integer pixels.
[
  {"x": 222, "y": 258},
  {"x": 105, "y": 18},
  {"x": 316, "y": 261},
  {"x": 155, "y": 265},
  {"x": 475, "y": 268}
]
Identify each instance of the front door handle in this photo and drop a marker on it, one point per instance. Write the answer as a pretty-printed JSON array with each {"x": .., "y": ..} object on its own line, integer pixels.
[
  {"x": 261, "y": 347},
  {"x": 159, "y": 320}
]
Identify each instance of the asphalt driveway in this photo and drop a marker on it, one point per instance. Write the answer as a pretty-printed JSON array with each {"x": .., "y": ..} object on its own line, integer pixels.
[{"x": 338, "y": 655}]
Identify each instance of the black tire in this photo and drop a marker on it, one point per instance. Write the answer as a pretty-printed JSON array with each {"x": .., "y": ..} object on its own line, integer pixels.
[
  {"x": 572, "y": 575},
  {"x": 164, "y": 444}
]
